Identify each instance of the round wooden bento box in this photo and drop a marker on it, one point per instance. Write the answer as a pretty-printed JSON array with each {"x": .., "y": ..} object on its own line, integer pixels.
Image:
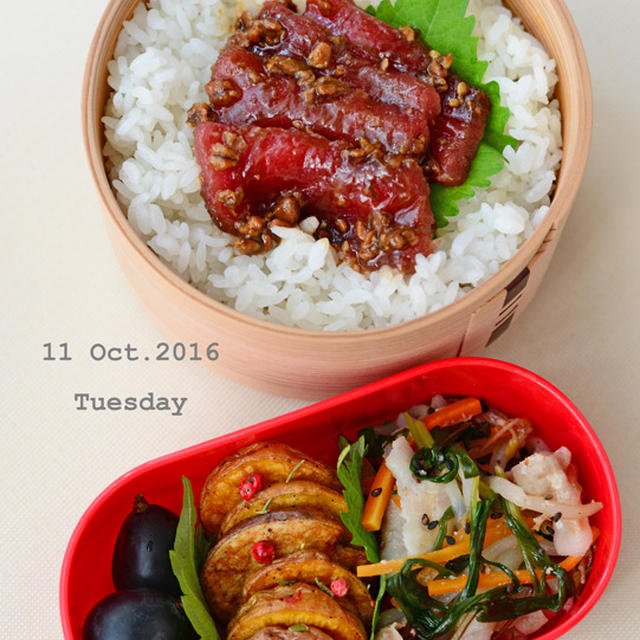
[{"x": 303, "y": 363}]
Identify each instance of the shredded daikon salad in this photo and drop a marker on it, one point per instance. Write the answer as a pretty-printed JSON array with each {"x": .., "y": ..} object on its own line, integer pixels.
[{"x": 474, "y": 526}]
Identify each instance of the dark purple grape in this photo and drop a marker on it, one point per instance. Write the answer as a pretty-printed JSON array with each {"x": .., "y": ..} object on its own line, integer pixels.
[
  {"x": 141, "y": 555},
  {"x": 134, "y": 615}
]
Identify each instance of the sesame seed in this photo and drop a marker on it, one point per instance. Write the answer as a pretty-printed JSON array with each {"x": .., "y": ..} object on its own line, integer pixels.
[
  {"x": 450, "y": 540},
  {"x": 496, "y": 515},
  {"x": 425, "y": 519},
  {"x": 376, "y": 492},
  {"x": 467, "y": 528},
  {"x": 433, "y": 524},
  {"x": 546, "y": 536}
]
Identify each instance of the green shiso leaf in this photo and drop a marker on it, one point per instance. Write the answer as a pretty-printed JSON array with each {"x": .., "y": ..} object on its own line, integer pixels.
[
  {"x": 444, "y": 25},
  {"x": 487, "y": 163},
  {"x": 187, "y": 557}
]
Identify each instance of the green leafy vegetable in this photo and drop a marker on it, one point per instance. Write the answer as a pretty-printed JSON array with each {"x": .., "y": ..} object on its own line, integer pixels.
[
  {"x": 441, "y": 464},
  {"x": 349, "y": 470},
  {"x": 350, "y": 475},
  {"x": 442, "y": 529},
  {"x": 382, "y": 588},
  {"x": 419, "y": 431},
  {"x": 465, "y": 433},
  {"x": 535, "y": 557},
  {"x": 444, "y": 25},
  {"x": 488, "y": 162},
  {"x": 432, "y": 618},
  {"x": 376, "y": 442},
  {"x": 187, "y": 557}
]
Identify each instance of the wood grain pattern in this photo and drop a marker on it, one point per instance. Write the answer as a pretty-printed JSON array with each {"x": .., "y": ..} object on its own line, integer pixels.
[{"x": 313, "y": 364}]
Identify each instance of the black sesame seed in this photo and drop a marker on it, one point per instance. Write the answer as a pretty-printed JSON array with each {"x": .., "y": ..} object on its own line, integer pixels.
[
  {"x": 450, "y": 540},
  {"x": 546, "y": 536},
  {"x": 467, "y": 528},
  {"x": 376, "y": 492},
  {"x": 549, "y": 496},
  {"x": 430, "y": 410},
  {"x": 549, "y": 530},
  {"x": 433, "y": 524},
  {"x": 557, "y": 516},
  {"x": 496, "y": 515},
  {"x": 425, "y": 519}
]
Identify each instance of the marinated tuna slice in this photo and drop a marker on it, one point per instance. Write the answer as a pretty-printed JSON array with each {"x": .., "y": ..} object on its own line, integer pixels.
[
  {"x": 457, "y": 132},
  {"x": 372, "y": 210},
  {"x": 399, "y": 46},
  {"x": 282, "y": 91},
  {"x": 300, "y": 37}
]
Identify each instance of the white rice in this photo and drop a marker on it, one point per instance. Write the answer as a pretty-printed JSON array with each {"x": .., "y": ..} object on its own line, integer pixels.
[{"x": 161, "y": 63}]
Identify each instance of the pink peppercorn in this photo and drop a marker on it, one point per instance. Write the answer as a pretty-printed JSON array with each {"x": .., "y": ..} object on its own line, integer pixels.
[
  {"x": 293, "y": 599},
  {"x": 250, "y": 485},
  {"x": 339, "y": 588},
  {"x": 263, "y": 552}
]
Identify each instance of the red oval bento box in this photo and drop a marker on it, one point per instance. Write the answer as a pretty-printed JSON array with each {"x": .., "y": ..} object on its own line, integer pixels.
[{"x": 86, "y": 570}]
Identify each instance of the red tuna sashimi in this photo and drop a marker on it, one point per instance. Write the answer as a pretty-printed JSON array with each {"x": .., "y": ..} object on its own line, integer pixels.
[
  {"x": 457, "y": 132},
  {"x": 357, "y": 65},
  {"x": 254, "y": 177},
  {"x": 282, "y": 91},
  {"x": 399, "y": 46}
]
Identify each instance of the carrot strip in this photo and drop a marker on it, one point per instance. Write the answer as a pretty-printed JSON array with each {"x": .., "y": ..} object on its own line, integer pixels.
[
  {"x": 441, "y": 556},
  {"x": 378, "y": 499},
  {"x": 453, "y": 413},
  {"x": 497, "y": 578}
]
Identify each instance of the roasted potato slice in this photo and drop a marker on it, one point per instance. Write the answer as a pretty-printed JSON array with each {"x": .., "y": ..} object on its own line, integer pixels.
[
  {"x": 349, "y": 556},
  {"x": 283, "y": 633},
  {"x": 282, "y": 495},
  {"x": 295, "y": 604},
  {"x": 231, "y": 559},
  {"x": 309, "y": 567},
  {"x": 275, "y": 462}
]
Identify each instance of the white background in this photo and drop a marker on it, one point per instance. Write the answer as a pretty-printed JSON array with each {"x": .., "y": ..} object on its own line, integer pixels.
[{"x": 61, "y": 283}]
